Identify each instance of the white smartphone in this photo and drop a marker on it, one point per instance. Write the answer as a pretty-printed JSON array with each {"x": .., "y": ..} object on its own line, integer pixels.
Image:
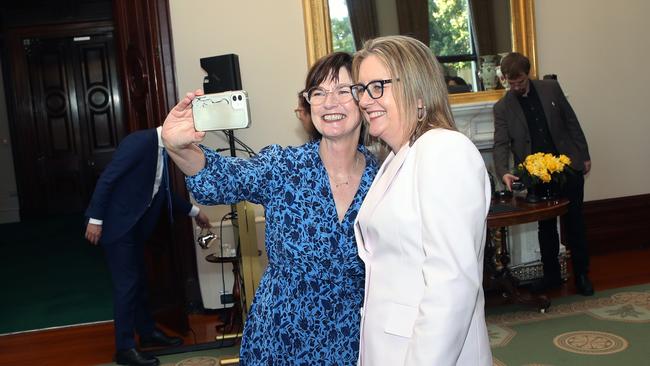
[{"x": 228, "y": 110}]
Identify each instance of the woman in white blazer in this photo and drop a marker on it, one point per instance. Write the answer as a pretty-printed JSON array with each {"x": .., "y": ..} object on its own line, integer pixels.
[{"x": 421, "y": 228}]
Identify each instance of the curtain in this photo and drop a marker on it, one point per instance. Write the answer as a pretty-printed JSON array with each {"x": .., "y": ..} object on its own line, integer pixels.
[
  {"x": 413, "y": 18},
  {"x": 482, "y": 21},
  {"x": 363, "y": 18}
]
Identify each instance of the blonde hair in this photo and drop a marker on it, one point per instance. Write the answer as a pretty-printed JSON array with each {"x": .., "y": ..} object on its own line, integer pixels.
[{"x": 420, "y": 78}]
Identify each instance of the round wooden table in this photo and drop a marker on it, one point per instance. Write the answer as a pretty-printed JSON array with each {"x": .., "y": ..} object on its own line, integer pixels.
[
  {"x": 505, "y": 212},
  {"x": 515, "y": 211}
]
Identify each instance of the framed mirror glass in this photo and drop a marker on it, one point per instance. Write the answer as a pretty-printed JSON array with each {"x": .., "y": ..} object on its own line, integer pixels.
[{"x": 468, "y": 36}]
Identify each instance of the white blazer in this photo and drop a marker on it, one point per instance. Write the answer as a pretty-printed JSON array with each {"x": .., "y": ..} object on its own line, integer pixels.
[{"x": 421, "y": 233}]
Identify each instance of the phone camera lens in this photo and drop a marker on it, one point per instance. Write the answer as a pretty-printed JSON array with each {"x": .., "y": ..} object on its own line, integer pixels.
[
  {"x": 234, "y": 97},
  {"x": 239, "y": 97}
]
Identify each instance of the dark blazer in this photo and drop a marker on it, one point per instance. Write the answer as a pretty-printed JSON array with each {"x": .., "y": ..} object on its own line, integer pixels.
[
  {"x": 511, "y": 129},
  {"x": 122, "y": 196}
]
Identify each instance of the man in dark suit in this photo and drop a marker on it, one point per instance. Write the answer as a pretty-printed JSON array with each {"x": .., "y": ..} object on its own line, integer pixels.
[
  {"x": 535, "y": 116},
  {"x": 129, "y": 197}
]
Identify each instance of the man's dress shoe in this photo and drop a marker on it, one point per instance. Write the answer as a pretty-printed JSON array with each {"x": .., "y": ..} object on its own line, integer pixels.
[
  {"x": 584, "y": 286},
  {"x": 133, "y": 357},
  {"x": 159, "y": 339}
]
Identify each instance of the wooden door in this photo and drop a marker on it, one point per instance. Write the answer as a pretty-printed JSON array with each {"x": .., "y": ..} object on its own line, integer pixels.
[{"x": 69, "y": 118}]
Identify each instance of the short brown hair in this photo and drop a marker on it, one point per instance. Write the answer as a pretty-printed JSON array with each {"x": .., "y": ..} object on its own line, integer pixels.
[
  {"x": 326, "y": 68},
  {"x": 514, "y": 64}
]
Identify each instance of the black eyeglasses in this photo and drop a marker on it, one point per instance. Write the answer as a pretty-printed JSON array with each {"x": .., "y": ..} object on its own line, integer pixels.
[
  {"x": 318, "y": 95},
  {"x": 375, "y": 89}
]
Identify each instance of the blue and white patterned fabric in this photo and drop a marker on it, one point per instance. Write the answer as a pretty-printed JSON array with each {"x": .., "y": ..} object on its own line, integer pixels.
[{"x": 306, "y": 309}]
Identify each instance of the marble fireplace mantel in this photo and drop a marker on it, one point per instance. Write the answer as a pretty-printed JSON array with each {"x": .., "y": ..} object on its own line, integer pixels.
[{"x": 476, "y": 121}]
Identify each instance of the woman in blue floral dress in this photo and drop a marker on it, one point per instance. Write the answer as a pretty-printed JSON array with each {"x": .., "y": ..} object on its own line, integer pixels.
[{"x": 306, "y": 309}]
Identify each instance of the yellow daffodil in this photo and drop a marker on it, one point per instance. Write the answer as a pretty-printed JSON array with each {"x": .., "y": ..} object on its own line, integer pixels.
[{"x": 543, "y": 166}]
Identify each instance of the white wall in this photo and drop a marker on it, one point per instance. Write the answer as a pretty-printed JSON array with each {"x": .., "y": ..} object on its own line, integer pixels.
[
  {"x": 600, "y": 50},
  {"x": 269, "y": 38}
]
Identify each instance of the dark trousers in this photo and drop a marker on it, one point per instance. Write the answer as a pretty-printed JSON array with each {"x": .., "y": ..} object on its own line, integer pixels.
[
  {"x": 549, "y": 240},
  {"x": 131, "y": 314}
]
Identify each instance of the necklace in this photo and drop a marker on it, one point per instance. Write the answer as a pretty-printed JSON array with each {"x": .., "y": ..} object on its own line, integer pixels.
[{"x": 346, "y": 182}]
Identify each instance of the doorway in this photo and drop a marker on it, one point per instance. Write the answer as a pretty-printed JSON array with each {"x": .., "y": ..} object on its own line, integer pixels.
[
  {"x": 69, "y": 118},
  {"x": 66, "y": 122}
]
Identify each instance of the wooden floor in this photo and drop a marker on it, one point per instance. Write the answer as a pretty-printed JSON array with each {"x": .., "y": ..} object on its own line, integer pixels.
[{"x": 93, "y": 344}]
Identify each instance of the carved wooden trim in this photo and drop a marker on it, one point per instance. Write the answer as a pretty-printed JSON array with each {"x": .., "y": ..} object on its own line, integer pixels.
[{"x": 143, "y": 31}]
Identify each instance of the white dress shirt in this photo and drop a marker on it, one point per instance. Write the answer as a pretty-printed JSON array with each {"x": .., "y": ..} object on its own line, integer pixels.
[{"x": 156, "y": 183}]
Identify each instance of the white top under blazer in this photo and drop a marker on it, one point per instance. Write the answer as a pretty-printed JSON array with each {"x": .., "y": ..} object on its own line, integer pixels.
[{"x": 421, "y": 234}]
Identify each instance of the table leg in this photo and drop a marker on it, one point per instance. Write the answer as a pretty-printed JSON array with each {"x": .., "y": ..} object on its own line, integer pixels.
[
  {"x": 235, "y": 321},
  {"x": 499, "y": 276}
]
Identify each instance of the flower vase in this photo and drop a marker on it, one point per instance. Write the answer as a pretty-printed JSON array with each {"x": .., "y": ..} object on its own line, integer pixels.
[
  {"x": 500, "y": 77},
  {"x": 531, "y": 195},
  {"x": 541, "y": 192},
  {"x": 547, "y": 191},
  {"x": 488, "y": 72}
]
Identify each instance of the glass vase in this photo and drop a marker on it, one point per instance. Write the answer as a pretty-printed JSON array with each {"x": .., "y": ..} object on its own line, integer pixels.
[{"x": 542, "y": 192}]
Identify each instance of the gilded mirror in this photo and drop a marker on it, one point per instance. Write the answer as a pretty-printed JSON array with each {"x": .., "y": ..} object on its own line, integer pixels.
[{"x": 318, "y": 36}]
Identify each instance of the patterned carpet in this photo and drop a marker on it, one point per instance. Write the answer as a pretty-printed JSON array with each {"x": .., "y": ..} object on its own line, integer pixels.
[
  {"x": 611, "y": 328},
  {"x": 201, "y": 358}
]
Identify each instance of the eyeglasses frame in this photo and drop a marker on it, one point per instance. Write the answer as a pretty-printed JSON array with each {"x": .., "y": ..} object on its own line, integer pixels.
[
  {"x": 381, "y": 82},
  {"x": 305, "y": 94}
]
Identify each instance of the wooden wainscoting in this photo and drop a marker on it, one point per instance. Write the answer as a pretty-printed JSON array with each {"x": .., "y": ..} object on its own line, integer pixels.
[{"x": 616, "y": 224}]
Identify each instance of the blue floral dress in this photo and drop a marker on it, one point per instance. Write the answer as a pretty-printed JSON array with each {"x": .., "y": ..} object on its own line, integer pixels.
[{"x": 306, "y": 308}]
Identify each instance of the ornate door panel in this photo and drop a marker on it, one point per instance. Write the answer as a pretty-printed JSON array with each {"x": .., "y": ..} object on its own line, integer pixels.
[
  {"x": 98, "y": 100},
  {"x": 57, "y": 169},
  {"x": 76, "y": 120}
]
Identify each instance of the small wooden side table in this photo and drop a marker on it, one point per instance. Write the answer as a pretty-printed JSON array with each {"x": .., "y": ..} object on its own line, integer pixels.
[{"x": 505, "y": 212}]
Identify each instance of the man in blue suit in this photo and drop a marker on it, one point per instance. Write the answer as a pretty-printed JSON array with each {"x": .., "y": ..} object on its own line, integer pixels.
[{"x": 129, "y": 197}]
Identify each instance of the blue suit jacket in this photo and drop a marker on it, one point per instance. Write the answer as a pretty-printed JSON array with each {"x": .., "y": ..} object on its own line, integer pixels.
[{"x": 122, "y": 197}]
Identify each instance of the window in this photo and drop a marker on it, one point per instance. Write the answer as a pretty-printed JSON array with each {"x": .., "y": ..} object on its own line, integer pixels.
[
  {"x": 449, "y": 34},
  {"x": 450, "y": 38},
  {"x": 342, "y": 38}
]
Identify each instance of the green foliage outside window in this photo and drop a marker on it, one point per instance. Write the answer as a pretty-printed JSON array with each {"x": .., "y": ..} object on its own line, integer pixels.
[
  {"x": 449, "y": 27},
  {"x": 342, "y": 35}
]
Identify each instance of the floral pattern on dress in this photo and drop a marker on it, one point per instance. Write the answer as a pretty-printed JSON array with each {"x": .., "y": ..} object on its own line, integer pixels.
[{"x": 306, "y": 310}]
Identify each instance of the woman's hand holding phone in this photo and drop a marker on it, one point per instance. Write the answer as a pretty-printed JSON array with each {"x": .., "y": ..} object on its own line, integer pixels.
[
  {"x": 178, "y": 130},
  {"x": 180, "y": 137}
]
